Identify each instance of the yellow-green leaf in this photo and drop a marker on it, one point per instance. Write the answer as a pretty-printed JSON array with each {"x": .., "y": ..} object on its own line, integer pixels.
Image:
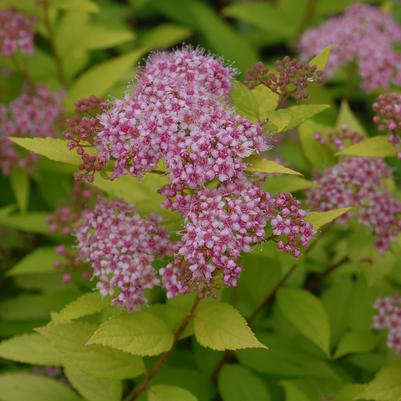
[
  {"x": 78, "y": 5},
  {"x": 356, "y": 342},
  {"x": 319, "y": 219},
  {"x": 85, "y": 305},
  {"x": 221, "y": 327},
  {"x": 321, "y": 59},
  {"x": 266, "y": 100},
  {"x": 30, "y": 222},
  {"x": 260, "y": 164},
  {"x": 347, "y": 118},
  {"x": 30, "y": 348},
  {"x": 102, "y": 77},
  {"x": 377, "y": 146},
  {"x": 287, "y": 183},
  {"x": 162, "y": 392},
  {"x": 52, "y": 148},
  {"x": 140, "y": 333}
]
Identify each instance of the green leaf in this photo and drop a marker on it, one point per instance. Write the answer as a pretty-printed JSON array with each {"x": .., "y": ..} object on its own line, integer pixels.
[
  {"x": 321, "y": 59},
  {"x": 386, "y": 386},
  {"x": 266, "y": 17},
  {"x": 307, "y": 314},
  {"x": 140, "y": 333},
  {"x": 377, "y": 146},
  {"x": 260, "y": 164},
  {"x": 292, "y": 392},
  {"x": 26, "y": 386},
  {"x": 94, "y": 388},
  {"x": 19, "y": 179},
  {"x": 285, "y": 358},
  {"x": 169, "y": 393},
  {"x": 29, "y": 348},
  {"x": 287, "y": 119},
  {"x": 101, "y": 78},
  {"x": 266, "y": 100},
  {"x": 287, "y": 183},
  {"x": 41, "y": 260},
  {"x": 220, "y": 327},
  {"x": 347, "y": 118},
  {"x": 85, "y": 305},
  {"x": 237, "y": 383},
  {"x": 319, "y": 219},
  {"x": 70, "y": 340},
  {"x": 52, "y": 148},
  {"x": 318, "y": 155},
  {"x": 355, "y": 342},
  {"x": 79, "y": 5},
  {"x": 34, "y": 222}
]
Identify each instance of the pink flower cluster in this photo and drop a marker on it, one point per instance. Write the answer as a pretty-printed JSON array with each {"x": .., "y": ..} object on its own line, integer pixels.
[
  {"x": 388, "y": 317},
  {"x": 339, "y": 138},
  {"x": 224, "y": 222},
  {"x": 70, "y": 266},
  {"x": 387, "y": 110},
  {"x": 16, "y": 33},
  {"x": 179, "y": 110},
  {"x": 35, "y": 112},
  {"x": 121, "y": 247},
  {"x": 291, "y": 77},
  {"x": 364, "y": 35},
  {"x": 358, "y": 183}
]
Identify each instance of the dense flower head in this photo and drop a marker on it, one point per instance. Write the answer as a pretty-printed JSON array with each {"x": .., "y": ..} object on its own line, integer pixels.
[
  {"x": 358, "y": 183},
  {"x": 36, "y": 112},
  {"x": 81, "y": 131},
  {"x": 222, "y": 223},
  {"x": 121, "y": 246},
  {"x": 388, "y": 317},
  {"x": 16, "y": 33},
  {"x": 387, "y": 117},
  {"x": 178, "y": 110},
  {"x": 364, "y": 35},
  {"x": 291, "y": 77}
]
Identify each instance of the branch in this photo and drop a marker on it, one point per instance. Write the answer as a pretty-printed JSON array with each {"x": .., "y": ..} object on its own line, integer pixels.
[{"x": 162, "y": 360}]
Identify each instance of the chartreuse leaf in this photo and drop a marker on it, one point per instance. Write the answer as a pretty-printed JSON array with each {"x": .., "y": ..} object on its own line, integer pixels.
[
  {"x": 347, "y": 118},
  {"x": 377, "y": 146},
  {"x": 164, "y": 36},
  {"x": 162, "y": 392},
  {"x": 287, "y": 183},
  {"x": 100, "y": 78},
  {"x": 25, "y": 386},
  {"x": 260, "y": 164},
  {"x": 19, "y": 179},
  {"x": 30, "y": 222},
  {"x": 319, "y": 219},
  {"x": 52, "y": 148},
  {"x": 78, "y": 5},
  {"x": 306, "y": 312},
  {"x": 386, "y": 386},
  {"x": 237, "y": 383},
  {"x": 292, "y": 392},
  {"x": 85, "y": 305},
  {"x": 141, "y": 333},
  {"x": 350, "y": 392},
  {"x": 355, "y": 342},
  {"x": 94, "y": 388},
  {"x": 70, "y": 340},
  {"x": 30, "y": 348},
  {"x": 321, "y": 59},
  {"x": 41, "y": 260},
  {"x": 253, "y": 104},
  {"x": 221, "y": 327},
  {"x": 286, "y": 119}
]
